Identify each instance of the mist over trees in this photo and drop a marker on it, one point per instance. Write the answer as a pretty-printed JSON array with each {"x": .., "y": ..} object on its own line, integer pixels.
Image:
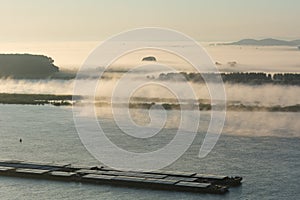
[
  {"x": 251, "y": 78},
  {"x": 26, "y": 66}
]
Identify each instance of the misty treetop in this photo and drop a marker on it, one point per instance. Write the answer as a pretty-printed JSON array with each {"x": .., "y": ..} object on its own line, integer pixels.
[
  {"x": 26, "y": 66},
  {"x": 252, "y": 78}
]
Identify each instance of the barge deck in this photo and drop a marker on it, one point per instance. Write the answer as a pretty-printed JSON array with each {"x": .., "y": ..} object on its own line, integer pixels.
[{"x": 160, "y": 180}]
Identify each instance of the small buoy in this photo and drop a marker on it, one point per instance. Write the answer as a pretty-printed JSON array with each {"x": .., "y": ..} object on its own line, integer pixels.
[{"x": 21, "y": 140}]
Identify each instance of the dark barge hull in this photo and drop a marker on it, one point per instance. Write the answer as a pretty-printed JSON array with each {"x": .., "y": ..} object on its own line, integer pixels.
[{"x": 160, "y": 180}]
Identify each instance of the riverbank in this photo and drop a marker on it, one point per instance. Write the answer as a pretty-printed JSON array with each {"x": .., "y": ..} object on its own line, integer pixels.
[{"x": 138, "y": 103}]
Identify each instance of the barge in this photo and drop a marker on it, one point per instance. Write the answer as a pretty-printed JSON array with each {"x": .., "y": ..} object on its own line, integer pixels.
[{"x": 159, "y": 180}]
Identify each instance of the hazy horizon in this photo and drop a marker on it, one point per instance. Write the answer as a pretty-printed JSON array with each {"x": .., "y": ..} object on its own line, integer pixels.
[
  {"x": 68, "y": 31},
  {"x": 92, "y": 20},
  {"x": 71, "y": 55}
]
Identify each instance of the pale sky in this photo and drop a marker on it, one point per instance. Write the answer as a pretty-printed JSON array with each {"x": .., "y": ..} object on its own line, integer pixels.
[{"x": 95, "y": 20}]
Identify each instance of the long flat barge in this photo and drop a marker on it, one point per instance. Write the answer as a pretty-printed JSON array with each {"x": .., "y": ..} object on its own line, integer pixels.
[{"x": 160, "y": 180}]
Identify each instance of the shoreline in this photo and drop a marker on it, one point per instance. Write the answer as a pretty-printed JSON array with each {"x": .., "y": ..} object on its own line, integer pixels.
[
  {"x": 241, "y": 78},
  {"x": 140, "y": 103}
]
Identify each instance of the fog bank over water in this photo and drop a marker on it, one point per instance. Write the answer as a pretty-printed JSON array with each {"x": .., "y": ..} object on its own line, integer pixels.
[
  {"x": 268, "y": 95},
  {"x": 253, "y": 124},
  {"x": 23, "y": 86},
  {"x": 71, "y": 55}
]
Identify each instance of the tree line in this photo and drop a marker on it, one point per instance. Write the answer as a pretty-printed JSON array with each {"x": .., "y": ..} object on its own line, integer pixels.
[
  {"x": 255, "y": 78},
  {"x": 26, "y": 66}
]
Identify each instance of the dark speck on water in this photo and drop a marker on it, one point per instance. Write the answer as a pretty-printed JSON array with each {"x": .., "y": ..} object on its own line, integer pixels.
[{"x": 269, "y": 162}]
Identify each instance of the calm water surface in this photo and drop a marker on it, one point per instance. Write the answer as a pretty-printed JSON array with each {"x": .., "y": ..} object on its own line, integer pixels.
[{"x": 269, "y": 162}]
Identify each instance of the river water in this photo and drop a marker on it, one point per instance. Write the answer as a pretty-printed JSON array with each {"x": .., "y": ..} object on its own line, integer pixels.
[{"x": 261, "y": 147}]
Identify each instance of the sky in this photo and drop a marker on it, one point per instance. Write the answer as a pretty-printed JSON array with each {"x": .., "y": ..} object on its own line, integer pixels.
[{"x": 96, "y": 20}]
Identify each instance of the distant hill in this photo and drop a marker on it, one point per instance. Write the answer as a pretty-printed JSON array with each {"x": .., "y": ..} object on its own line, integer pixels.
[
  {"x": 26, "y": 66},
  {"x": 265, "y": 42},
  {"x": 296, "y": 42}
]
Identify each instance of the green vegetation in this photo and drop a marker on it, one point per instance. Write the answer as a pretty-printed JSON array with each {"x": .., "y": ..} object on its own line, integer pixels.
[
  {"x": 26, "y": 66},
  {"x": 67, "y": 100},
  {"x": 239, "y": 78},
  {"x": 36, "y": 99},
  {"x": 204, "y": 107}
]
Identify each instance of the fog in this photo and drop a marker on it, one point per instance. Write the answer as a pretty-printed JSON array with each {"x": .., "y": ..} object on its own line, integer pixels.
[
  {"x": 36, "y": 86},
  {"x": 267, "y": 95},
  {"x": 70, "y": 55},
  {"x": 264, "y": 59},
  {"x": 262, "y": 124},
  {"x": 258, "y": 124}
]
